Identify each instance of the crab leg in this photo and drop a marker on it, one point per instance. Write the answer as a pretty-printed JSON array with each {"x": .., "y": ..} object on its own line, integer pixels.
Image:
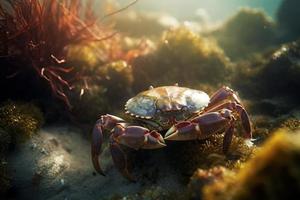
[
  {"x": 222, "y": 94},
  {"x": 120, "y": 159},
  {"x": 241, "y": 112},
  {"x": 228, "y": 138},
  {"x": 200, "y": 127},
  {"x": 203, "y": 126},
  {"x": 106, "y": 122},
  {"x": 135, "y": 137}
]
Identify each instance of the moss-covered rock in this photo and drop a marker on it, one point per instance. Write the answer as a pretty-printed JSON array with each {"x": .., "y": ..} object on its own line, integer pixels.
[
  {"x": 255, "y": 80},
  {"x": 273, "y": 173},
  {"x": 202, "y": 178},
  {"x": 247, "y": 32},
  {"x": 182, "y": 57},
  {"x": 20, "y": 120}
]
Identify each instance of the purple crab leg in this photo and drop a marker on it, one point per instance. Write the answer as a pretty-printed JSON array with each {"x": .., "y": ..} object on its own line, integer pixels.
[
  {"x": 222, "y": 94},
  {"x": 135, "y": 137},
  {"x": 242, "y": 114},
  {"x": 106, "y": 122},
  {"x": 228, "y": 138},
  {"x": 200, "y": 127},
  {"x": 120, "y": 160},
  {"x": 97, "y": 139}
]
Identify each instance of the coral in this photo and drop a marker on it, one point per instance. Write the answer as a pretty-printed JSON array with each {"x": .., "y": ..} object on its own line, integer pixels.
[
  {"x": 182, "y": 57},
  {"x": 271, "y": 174},
  {"x": 20, "y": 120},
  {"x": 287, "y": 17},
  {"x": 245, "y": 33}
]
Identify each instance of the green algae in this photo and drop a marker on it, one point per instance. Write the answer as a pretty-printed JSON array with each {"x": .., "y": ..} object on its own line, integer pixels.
[
  {"x": 183, "y": 57},
  {"x": 20, "y": 120}
]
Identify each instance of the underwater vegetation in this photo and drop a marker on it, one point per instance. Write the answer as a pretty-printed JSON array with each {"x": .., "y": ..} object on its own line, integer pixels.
[
  {"x": 183, "y": 57},
  {"x": 20, "y": 120},
  {"x": 271, "y": 174},
  {"x": 272, "y": 96},
  {"x": 27, "y": 35},
  {"x": 249, "y": 31},
  {"x": 95, "y": 62},
  {"x": 207, "y": 154}
]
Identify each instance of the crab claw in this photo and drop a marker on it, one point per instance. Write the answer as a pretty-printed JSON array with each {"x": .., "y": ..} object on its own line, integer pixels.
[
  {"x": 97, "y": 139},
  {"x": 120, "y": 161},
  {"x": 182, "y": 131},
  {"x": 138, "y": 137},
  {"x": 154, "y": 140}
]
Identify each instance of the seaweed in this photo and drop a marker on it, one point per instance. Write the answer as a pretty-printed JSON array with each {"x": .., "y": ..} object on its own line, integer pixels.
[
  {"x": 271, "y": 174},
  {"x": 212, "y": 176},
  {"x": 36, "y": 35},
  {"x": 183, "y": 57}
]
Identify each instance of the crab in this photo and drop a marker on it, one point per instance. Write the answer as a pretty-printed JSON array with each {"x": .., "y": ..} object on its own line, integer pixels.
[{"x": 179, "y": 112}]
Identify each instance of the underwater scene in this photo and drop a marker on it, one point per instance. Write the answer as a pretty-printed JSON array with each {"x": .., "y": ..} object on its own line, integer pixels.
[{"x": 149, "y": 100}]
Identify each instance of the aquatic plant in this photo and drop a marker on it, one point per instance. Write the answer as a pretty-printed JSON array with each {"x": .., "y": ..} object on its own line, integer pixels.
[
  {"x": 182, "y": 57},
  {"x": 20, "y": 120},
  {"x": 291, "y": 124},
  {"x": 36, "y": 35},
  {"x": 202, "y": 178},
  {"x": 271, "y": 174},
  {"x": 248, "y": 31}
]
